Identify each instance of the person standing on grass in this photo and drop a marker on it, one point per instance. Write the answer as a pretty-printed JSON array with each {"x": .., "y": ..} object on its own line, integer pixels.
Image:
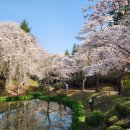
[
  {"x": 66, "y": 86},
  {"x": 91, "y": 103}
]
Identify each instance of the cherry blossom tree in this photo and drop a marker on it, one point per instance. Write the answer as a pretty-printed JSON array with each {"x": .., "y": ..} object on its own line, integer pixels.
[
  {"x": 105, "y": 49},
  {"x": 99, "y": 12},
  {"x": 19, "y": 53},
  {"x": 21, "y": 57},
  {"x": 57, "y": 67}
]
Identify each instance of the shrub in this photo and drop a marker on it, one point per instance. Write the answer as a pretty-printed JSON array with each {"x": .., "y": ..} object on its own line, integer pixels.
[
  {"x": 58, "y": 85},
  {"x": 19, "y": 98},
  {"x": 110, "y": 121},
  {"x": 15, "y": 98},
  {"x": 126, "y": 88},
  {"x": 115, "y": 128},
  {"x": 2, "y": 99},
  {"x": 36, "y": 94},
  {"x": 109, "y": 114},
  {"x": 124, "y": 123},
  {"x": 94, "y": 119},
  {"x": 123, "y": 109},
  {"x": 48, "y": 89},
  {"x": 41, "y": 88}
]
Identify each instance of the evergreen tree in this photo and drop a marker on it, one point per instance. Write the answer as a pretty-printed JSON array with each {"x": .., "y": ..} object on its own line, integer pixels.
[
  {"x": 67, "y": 53},
  {"x": 75, "y": 49},
  {"x": 120, "y": 15},
  {"x": 117, "y": 17},
  {"x": 24, "y": 25}
]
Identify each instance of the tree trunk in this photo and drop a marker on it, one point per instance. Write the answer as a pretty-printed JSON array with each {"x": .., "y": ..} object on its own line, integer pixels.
[
  {"x": 48, "y": 83},
  {"x": 120, "y": 84},
  {"x": 60, "y": 81},
  {"x": 128, "y": 2},
  {"x": 119, "y": 87},
  {"x": 17, "y": 90},
  {"x": 83, "y": 84},
  {"x": 97, "y": 84}
]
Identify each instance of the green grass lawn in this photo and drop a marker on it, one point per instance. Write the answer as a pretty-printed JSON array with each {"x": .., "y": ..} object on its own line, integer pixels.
[{"x": 104, "y": 103}]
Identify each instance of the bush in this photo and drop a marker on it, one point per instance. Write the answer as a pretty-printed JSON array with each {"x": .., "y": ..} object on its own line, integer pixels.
[
  {"x": 115, "y": 128},
  {"x": 15, "y": 98},
  {"x": 2, "y": 99},
  {"x": 48, "y": 89},
  {"x": 58, "y": 85},
  {"x": 95, "y": 119},
  {"x": 41, "y": 88},
  {"x": 19, "y": 98},
  {"x": 37, "y": 94},
  {"x": 126, "y": 88},
  {"x": 124, "y": 123},
  {"x": 110, "y": 121},
  {"x": 123, "y": 109}
]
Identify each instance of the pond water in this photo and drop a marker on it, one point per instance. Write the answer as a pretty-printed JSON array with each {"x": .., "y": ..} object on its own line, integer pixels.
[{"x": 34, "y": 115}]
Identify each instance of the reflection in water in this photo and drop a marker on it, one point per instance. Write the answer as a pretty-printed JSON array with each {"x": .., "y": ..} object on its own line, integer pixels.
[{"x": 34, "y": 115}]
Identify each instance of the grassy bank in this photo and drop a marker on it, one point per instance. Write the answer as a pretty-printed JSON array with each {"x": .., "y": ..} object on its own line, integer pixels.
[{"x": 104, "y": 103}]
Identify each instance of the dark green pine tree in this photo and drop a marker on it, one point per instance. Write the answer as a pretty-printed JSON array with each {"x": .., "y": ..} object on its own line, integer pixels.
[
  {"x": 67, "y": 53},
  {"x": 75, "y": 49},
  {"x": 24, "y": 25},
  {"x": 117, "y": 17},
  {"x": 120, "y": 15}
]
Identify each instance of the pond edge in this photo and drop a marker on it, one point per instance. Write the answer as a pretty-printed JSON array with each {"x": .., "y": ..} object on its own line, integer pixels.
[{"x": 76, "y": 107}]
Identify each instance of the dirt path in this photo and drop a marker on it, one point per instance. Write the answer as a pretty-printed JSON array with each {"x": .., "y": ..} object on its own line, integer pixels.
[{"x": 79, "y": 92}]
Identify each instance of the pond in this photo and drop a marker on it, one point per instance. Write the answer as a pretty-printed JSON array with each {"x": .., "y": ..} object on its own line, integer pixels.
[{"x": 34, "y": 115}]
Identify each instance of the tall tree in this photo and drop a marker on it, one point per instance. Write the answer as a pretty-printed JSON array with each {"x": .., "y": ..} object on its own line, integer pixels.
[
  {"x": 75, "y": 49},
  {"x": 24, "y": 25},
  {"x": 105, "y": 49},
  {"x": 20, "y": 55},
  {"x": 67, "y": 53},
  {"x": 100, "y": 13},
  {"x": 120, "y": 15}
]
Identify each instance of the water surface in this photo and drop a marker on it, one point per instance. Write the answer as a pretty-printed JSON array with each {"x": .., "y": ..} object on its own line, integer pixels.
[{"x": 34, "y": 115}]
